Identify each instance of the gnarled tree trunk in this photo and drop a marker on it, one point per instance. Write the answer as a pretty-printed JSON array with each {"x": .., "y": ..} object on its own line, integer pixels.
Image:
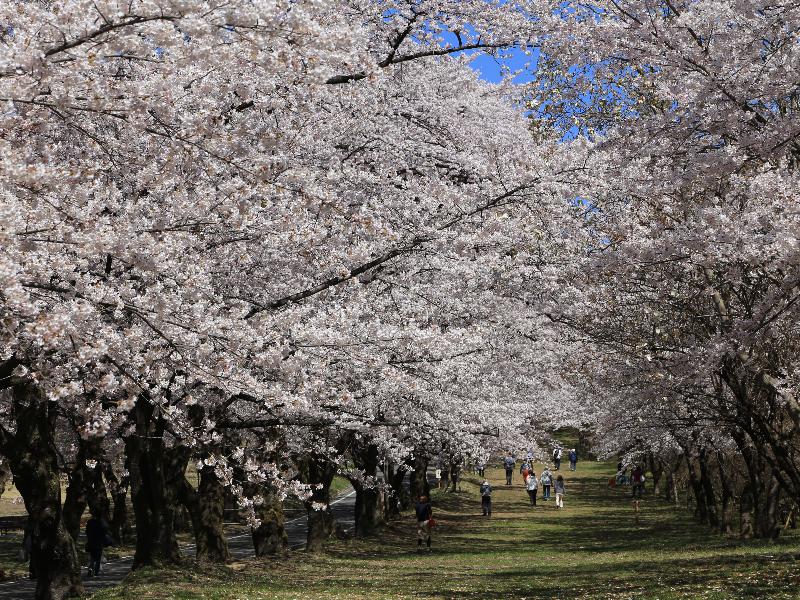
[
  {"x": 420, "y": 486},
  {"x": 86, "y": 487},
  {"x": 368, "y": 513},
  {"x": 153, "y": 504},
  {"x": 399, "y": 498},
  {"x": 209, "y": 528},
  {"x": 318, "y": 471},
  {"x": 270, "y": 536},
  {"x": 119, "y": 524},
  {"x": 708, "y": 488},
  {"x": 34, "y": 463}
]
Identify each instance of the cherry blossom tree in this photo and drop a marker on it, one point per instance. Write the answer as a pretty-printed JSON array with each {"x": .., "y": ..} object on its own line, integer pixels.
[
  {"x": 687, "y": 285},
  {"x": 211, "y": 213}
]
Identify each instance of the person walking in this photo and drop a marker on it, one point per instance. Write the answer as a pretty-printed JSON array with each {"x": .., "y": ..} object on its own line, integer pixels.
[
  {"x": 637, "y": 482},
  {"x": 559, "y": 488},
  {"x": 637, "y": 487},
  {"x": 97, "y": 538},
  {"x": 532, "y": 485},
  {"x": 486, "y": 498},
  {"x": 547, "y": 481},
  {"x": 424, "y": 513},
  {"x": 622, "y": 474},
  {"x": 573, "y": 460},
  {"x": 525, "y": 470},
  {"x": 455, "y": 476},
  {"x": 508, "y": 463},
  {"x": 557, "y": 458},
  {"x": 480, "y": 468}
]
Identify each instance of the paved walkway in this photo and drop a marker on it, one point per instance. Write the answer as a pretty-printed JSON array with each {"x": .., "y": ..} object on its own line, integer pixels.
[{"x": 241, "y": 546}]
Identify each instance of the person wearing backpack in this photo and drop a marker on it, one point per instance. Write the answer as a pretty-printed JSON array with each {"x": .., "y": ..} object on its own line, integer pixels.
[
  {"x": 486, "y": 498},
  {"x": 560, "y": 490},
  {"x": 547, "y": 481},
  {"x": 508, "y": 463},
  {"x": 557, "y": 457},
  {"x": 573, "y": 460},
  {"x": 532, "y": 485}
]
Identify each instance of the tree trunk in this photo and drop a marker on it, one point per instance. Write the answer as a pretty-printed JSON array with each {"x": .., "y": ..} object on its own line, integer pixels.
[
  {"x": 701, "y": 509},
  {"x": 726, "y": 516},
  {"x": 657, "y": 470},
  {"x": 34, "y": 462},
  {"x": 86, "y": 487},
  {"x": 318, "y": 471},
  {"x": 759, "y": 516},
  {"x": 5, "y": 475},
  {"x": 209, "y": 530},
  {"x": 119, "y": 525},
  {"x": 153, "y": 505},
  {"x": 708, "y": 488},
  {"x": 399, "y": 498},
  {"x": 270, "y": 536},
  {"x": 368, "y": 513},
  {"x": 420, "y": 486},
  {"x": 75, "y": 499},
  {"x": 768, "y": 523}
]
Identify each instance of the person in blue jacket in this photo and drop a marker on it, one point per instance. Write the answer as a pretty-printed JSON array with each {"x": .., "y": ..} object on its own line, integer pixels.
[{"x": 573, "y": 460}]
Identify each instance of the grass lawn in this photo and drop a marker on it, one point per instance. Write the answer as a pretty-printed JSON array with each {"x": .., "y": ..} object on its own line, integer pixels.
[{"x": 591, "y": 549}]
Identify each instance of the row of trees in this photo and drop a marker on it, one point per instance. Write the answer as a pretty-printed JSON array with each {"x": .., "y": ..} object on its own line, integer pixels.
[
  {"x": 687, "y": 299},
  {"x": 270, "y": 239},
  {"x": 281, "y": 239}
]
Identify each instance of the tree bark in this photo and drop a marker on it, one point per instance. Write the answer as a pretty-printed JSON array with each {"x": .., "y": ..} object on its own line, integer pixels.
[
  {"x": 119, "y": 524},
  {"x": 759, "y": 514},
  {"x": 727, "y": 497},
  {"x": 153, "y": 505},
  {"x": 270, "y": 536},
  {"x": 318, "y": 471},
  {"x": 657, "y": 470},
  {"x": 420, "y": 486},
  {"x": 86, "y": 487},
  {"x": 708, "y": 488},
  {"x": 5, "y": 475},
  {"x": 701, "y": 508},
  {"x": 399, "y": 498},
  {"x": 33, "y": 458},
  {"x": 209, "y": 531},
  {"x": 368, "y": 513}
]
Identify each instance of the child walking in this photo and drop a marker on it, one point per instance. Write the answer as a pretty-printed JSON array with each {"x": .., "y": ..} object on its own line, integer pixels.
[{"x": 559, "y": 492}]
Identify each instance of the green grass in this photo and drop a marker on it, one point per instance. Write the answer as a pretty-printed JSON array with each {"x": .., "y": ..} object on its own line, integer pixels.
[
  {"x": 591, "y": 549},
  {"x": 339, "y": 485}
]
